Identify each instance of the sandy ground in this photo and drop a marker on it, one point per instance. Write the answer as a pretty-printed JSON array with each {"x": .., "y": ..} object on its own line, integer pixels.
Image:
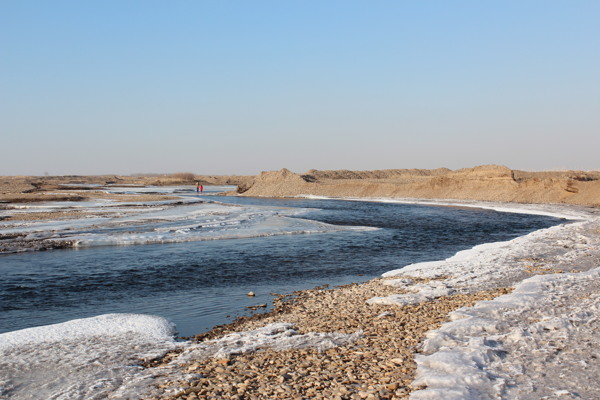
[
  {"x": 19, "y": 190},
  {"x": 485, "y": 183}
]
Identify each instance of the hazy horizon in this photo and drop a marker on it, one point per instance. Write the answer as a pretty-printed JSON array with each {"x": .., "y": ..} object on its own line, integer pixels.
[{"x": 223, "y": 88}]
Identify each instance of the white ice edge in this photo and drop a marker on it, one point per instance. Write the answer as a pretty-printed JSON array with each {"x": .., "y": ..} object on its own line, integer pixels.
[
  {"x": 146, "y": 326},
  {"x": 192, "y": 221},
  {"x": 491, "y": 350},
  {"x": 550, "y": 210},
  {"x": 534, "y": 337},
  {"x": 98, "y": 358}
]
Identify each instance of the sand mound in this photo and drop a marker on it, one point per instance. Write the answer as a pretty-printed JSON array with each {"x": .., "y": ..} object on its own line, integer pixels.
[
  {"x": 376, "y": 174},
  {"x": 278, "y": 183},
  {"x": 487, "y": 183}
]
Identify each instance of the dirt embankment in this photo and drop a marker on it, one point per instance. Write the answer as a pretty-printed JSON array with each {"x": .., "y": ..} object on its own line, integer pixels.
[{"x": 485, "y": 183}]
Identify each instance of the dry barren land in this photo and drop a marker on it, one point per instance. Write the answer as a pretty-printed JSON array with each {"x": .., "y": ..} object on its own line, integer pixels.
[{"x": 484, "y": 183}]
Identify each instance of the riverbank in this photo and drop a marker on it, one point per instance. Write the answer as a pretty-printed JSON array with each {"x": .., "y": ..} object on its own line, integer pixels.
[
  {"x": 375, "y": 361},
  {"x": 435, "y": 322},
  {"x": 483, "y": 183},
  {"x": 432, "y": 322}
]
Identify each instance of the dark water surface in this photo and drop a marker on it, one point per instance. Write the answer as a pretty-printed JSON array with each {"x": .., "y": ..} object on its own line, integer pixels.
[{"x": 197, "y": 284}]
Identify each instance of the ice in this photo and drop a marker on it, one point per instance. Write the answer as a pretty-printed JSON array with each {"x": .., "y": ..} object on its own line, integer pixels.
[
  {"x": 537, "y": 342},
  {"x": 80, "y": 359},
  {"x": 108, "y": 324},
  {"x": 227, "y": 223},
  {"x": 111, "y": 223},
  {"x": 499, "y": 264},
  {"x": 550, "y": 210},
  {"x": 524, "y": 344},
  {"x": 208, "y": 189},
  {"x": 277, "y": 336},
  {"x": 98, "y": 358}
]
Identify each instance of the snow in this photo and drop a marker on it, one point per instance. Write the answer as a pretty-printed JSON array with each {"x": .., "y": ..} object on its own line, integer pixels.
[
  {"x": 538, "y": 342},
  {"x": 98, "y": 358},
  {"x": 80, "y": 359}
]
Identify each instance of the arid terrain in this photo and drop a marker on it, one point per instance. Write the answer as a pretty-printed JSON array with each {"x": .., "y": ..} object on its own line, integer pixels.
[
  {"x": 483, "y": 183},
  {"x": 382, "y": 363}
]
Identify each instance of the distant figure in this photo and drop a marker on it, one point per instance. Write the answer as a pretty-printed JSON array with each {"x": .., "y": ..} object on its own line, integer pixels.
[
  {"x": 197, "y": 187},
  {"x": 201, "y": 188}
]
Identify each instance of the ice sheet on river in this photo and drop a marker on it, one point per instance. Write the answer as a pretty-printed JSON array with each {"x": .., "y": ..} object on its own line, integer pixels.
[
  {"x": 116, "y": 223},
  {"x": 80, "y": 359}
]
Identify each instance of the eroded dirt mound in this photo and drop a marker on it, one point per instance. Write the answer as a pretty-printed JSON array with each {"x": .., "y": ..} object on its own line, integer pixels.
[
  {"x": 486, "y": 183},
  {"x": 279, "y": 183},
  {"x": 376, "y": 174}
]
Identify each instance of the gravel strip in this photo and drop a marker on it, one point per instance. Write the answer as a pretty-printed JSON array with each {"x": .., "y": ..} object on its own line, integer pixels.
[{"x": 379, "y": 365}]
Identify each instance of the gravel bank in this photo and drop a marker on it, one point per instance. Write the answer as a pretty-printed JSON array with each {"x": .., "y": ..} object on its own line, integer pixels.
[{"x": 379, "y": 364}]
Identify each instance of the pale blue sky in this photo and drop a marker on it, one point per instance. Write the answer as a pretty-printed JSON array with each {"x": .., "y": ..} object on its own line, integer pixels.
[{"x": 237, "y": 87}]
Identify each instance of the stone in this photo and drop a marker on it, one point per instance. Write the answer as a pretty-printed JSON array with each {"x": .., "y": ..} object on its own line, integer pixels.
[
  {"x": 397, "y": 361},
  {"x": 379, "y": 365}
]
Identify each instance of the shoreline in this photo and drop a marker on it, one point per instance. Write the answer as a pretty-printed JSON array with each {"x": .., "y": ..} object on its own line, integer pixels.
[
  {"x": 270, "y": 373},
  {"x": 377, "y": 363},
  {"x": 421, "y": 366},
  {"x": 556, "y": 210}
]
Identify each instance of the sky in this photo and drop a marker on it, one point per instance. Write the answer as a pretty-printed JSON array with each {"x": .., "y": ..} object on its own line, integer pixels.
[{"x": 238, "y": 87}]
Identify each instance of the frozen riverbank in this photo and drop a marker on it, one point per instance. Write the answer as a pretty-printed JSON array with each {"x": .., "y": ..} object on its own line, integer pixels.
[
  {"x": 538, "y": 342},
  {"x": 487, "y": 335}
]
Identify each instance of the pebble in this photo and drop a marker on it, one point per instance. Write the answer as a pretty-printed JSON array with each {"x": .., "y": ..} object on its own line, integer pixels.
[{"x": 378, "y": 366}]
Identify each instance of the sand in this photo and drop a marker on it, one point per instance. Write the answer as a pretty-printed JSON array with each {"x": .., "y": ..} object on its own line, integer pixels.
[{"x": 484, "y": 183}]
